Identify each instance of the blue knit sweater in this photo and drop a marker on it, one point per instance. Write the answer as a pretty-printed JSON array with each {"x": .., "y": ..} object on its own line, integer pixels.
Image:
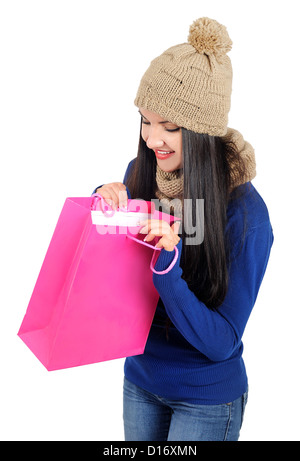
[{"x": 200, "y": 360}]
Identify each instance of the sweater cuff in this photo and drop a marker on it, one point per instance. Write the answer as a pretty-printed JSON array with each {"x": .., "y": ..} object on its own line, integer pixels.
[{"x": 166, "y": 257}]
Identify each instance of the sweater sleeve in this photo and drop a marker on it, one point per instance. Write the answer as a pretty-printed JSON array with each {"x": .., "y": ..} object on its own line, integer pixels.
[
  {"x": 128, "y": 170},
  {"x": 217, "y": 333}
]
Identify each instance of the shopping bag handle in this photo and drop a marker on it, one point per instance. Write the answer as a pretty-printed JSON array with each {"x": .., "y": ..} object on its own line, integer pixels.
[
  {"x": 152, "y": 260},
  {"x": 104, "y": 206}
]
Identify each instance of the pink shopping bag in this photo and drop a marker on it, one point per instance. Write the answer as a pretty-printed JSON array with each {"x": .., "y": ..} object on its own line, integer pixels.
[{"x": 94, "y": 299}]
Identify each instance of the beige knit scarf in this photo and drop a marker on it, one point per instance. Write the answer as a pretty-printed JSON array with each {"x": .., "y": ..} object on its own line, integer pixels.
[
  {"x": 170, "y": 184},
  {"x": 170, "y": 187}
]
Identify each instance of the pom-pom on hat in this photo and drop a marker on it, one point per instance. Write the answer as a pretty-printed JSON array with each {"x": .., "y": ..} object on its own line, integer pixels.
[
  {"x": 209, "y": 37},
  {"x": 190, "y": 84}
]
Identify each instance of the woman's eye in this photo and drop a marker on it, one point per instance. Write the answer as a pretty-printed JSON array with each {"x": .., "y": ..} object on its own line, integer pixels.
[
  {"x": 144, "y": 122},
  {"x": 172, "y": 131}
]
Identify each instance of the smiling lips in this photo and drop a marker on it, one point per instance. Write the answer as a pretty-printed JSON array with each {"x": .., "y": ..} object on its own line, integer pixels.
[{"x": 163, "y": 155}]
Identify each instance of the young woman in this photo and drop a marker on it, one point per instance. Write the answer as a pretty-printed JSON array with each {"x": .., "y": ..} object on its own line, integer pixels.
[{"x": 191, "y": 382}]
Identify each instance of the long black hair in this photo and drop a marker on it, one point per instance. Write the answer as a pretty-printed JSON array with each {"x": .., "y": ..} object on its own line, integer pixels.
[{"x": 208, "y": 163}]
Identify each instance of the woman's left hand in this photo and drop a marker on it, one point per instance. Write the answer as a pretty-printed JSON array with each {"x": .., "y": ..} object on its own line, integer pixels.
[{"x": 155, "y": 228}]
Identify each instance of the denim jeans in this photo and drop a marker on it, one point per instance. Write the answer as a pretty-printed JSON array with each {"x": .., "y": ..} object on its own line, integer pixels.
[{"x": 150, "y": 417}]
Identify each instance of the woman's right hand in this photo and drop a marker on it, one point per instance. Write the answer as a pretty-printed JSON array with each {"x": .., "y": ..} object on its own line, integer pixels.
[{"x": 115, "y": 194}]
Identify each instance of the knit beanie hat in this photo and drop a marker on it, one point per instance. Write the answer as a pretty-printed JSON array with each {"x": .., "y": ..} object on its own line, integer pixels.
[{"x": 190, "y": 84}]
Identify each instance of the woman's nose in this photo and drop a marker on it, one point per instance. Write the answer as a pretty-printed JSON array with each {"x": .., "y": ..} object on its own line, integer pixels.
[{"x": 154, "y": 141}]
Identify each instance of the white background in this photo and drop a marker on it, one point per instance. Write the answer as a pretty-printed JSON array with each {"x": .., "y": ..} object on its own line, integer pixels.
[{"x": 69, "y": 74}]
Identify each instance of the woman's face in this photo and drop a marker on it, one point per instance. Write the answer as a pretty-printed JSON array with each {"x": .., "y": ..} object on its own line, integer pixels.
[{"x": 164, "y": 138}]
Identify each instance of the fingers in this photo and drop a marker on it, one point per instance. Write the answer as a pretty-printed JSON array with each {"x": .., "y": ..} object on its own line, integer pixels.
[
  {"x": 123, "y": 197},
  {"x": 114, "y": 194},
  {"x": 159, "y": 227},
  {"x": 156, "y": 228},
  {"x": 175, "y": 227},
  {"x": 166, "y": 243}
]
